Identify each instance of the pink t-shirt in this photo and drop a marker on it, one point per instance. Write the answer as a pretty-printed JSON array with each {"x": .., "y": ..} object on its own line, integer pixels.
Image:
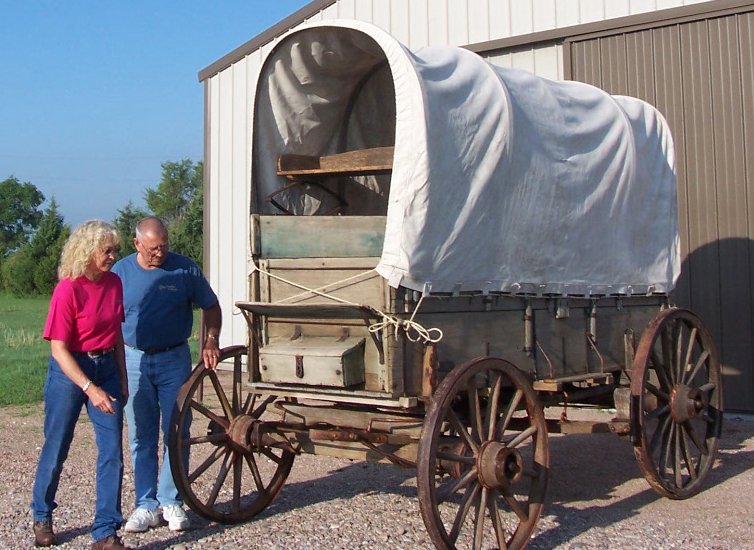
[{"x": 86, "y": 314}]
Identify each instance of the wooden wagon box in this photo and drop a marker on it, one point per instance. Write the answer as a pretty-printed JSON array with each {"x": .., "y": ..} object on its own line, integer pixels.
[{"x": 317, "y": 361}]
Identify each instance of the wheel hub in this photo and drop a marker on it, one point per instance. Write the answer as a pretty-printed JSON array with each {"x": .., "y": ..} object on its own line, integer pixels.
[
  {"x": 687, "y": 403},
  {"x": 240, "y": 430},
  {"x": 498, "y": 466}
]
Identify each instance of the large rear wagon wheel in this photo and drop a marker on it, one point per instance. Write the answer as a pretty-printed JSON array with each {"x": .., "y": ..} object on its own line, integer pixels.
[
  {"x": 483, "y": 458},
  {"x": 676, "y": 403},
  {"x": 214, "y": 468}
]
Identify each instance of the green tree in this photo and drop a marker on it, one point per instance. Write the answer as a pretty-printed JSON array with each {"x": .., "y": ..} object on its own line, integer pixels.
[
  {"x": 178, "y": 200},
  {"x": 186, "y": 234},
  {"x": 32, "y": 269},
  {"x": 126, "y": 222},
  {"x": 19, "y": 213},
  {"x": 180, "y": 182},
  {"x": 46, "y": 246}
]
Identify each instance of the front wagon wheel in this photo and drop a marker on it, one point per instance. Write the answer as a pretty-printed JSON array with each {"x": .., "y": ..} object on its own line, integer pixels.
[
  {"x": 214, "y": 468},
  {"x": 483, "y": 458},
  {"x": 676, "y": 403}
]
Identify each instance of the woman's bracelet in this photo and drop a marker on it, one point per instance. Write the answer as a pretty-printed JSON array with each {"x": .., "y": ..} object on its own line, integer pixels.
[{"x": 86, "y": 386}]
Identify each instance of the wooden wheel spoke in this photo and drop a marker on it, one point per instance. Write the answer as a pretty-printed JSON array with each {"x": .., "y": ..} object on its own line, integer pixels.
[
  {"x": 666, "y": 457},
  {"x": 677, "y": 469},
  {"x": 479, "y": 522},
  {"x": 452, "y": 457},
  {"x": 497, "y": 524},
  {"x": 508, "y": 415},
  {"x": 257, "y": 412},
  {"x": 237, "y": 383},
  {"x": 698, "y": 366},
  {"x": 661, "y": 370},
  {"x": 515, "y": 505},
  {"x": 678, "y": 355},
  {"x": 657, "y": 392},
  {"x": 687, "y": 454},
  {"x": 224, "y": 403},
  {"x": 252, "y": 464},
  {"x": 209, "y": 461},
  {"x": 698, "y": 443},
  {"x": 523, "y": 436},
  {"x": 461, "y": 430},
  {"x": 658, "y": 412},
  {"x": 453, "y": 488},
  {"x": 272, "y": 456},
  {"x": 248, "y": 405},
  {"x": 689, "y": 352},
  {"x": 468, "y": 500},
  {"x": 237, "y": 478},
  {"x": 491, "y": 416},
  {"x": 211, "y": 438},
  {"x": 475, "y": 410},
  {"x": 198, "y": 407},
  {"x": 221, "y": 477},
  {"x": 660, "y": 433}
]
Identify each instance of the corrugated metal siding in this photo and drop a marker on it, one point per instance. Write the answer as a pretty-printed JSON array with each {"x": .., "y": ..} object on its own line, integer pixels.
[
  {"x": 699, "y": 74},
  {"x": 416, "y": 23}
]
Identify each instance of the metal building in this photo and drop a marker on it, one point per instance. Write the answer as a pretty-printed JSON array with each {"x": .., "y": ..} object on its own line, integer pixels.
[{"x": 691, "y": 59}]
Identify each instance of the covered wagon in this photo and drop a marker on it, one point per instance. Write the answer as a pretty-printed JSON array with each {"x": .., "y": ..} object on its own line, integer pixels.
[{"x": 442, "y": 249}]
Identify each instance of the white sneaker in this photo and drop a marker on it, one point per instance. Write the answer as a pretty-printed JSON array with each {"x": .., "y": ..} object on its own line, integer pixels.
[
  {"x": 141, "y": 520},
  {"x": 176, "y": 517}
]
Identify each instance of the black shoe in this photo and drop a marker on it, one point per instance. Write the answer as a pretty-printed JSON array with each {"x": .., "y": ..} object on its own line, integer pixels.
[{"x": 43, "y": 533}]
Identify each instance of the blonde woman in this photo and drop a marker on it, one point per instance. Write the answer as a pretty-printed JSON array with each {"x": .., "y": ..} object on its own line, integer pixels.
[{"x": 86, "y": 368}]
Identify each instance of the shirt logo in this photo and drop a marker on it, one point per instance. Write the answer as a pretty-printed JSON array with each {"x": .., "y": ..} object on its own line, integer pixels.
[{"x": 168, "y": 288}]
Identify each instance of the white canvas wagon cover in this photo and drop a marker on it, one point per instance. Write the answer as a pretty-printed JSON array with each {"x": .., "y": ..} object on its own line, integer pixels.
[{"x": 501, "y": 181}]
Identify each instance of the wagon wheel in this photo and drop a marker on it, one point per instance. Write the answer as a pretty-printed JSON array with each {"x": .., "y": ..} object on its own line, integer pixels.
[
  {"x": 676, "y": 403},
  {"x": 214, "y": 468},
  {"x": 483, "y": 458}
]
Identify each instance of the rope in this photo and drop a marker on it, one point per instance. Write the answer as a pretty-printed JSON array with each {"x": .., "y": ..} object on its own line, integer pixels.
[{"x": 414, "y": 331}]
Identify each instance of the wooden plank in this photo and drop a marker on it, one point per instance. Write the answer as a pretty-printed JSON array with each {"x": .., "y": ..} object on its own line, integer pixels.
[
  {"x": 320, "y": 236},
  {"x": 376, "y": 160},
  {"x": 309, "y": 311}
]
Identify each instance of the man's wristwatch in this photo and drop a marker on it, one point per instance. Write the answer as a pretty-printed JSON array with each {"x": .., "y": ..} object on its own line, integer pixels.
[
  {"x": 86, "y": 386},
  {"x": 214, "y": 337}
]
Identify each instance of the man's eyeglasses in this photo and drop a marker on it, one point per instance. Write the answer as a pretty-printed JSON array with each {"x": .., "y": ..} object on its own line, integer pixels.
[
  {"x": 111, "y": 250},
  {"x": 152, "y": 250}
]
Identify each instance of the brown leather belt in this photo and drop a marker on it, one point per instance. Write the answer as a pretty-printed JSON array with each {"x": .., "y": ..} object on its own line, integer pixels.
[{"x": 94, "y": 353}]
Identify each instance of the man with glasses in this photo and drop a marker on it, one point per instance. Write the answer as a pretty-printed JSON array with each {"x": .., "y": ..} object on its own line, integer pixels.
[{"x": 160, "y": 289}]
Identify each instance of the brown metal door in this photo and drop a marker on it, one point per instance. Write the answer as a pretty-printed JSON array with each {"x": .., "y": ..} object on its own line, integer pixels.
[{"x": 700, "y": 75}]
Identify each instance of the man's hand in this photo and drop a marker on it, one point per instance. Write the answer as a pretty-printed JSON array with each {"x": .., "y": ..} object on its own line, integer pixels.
[{"x": 211, "y": 352}]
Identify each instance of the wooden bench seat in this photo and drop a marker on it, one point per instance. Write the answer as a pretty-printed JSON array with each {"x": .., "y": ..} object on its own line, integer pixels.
[{"x": 377, "y": 160}]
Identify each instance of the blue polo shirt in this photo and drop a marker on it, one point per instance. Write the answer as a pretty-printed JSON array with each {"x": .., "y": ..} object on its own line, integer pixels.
[{"x": 159, "y": 302}]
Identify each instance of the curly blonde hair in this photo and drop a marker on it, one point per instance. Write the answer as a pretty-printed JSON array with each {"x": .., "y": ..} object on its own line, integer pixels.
[{"x": 80, "y": 247}]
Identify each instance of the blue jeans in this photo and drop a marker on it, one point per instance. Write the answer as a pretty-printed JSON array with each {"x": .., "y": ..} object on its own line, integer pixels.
[
  {"x": 63, "y": 403},
  {"x": 153, "y": 384}
]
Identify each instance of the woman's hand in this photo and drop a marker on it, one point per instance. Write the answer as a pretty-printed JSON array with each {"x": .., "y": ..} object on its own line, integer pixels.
[
  {"x": 124, "y": 391},
  {"x": 101, "y": 399}
]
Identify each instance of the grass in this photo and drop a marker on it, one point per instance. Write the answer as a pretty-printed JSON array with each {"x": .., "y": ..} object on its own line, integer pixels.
[
  {"x": 24, "y": 354},
  {"x": 23, "y": 351}
]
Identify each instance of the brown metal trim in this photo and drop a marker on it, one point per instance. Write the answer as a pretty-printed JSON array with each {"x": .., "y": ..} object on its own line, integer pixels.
[
  {"x": 650, "y": 19},
  {"x": 296, "y": 18}
]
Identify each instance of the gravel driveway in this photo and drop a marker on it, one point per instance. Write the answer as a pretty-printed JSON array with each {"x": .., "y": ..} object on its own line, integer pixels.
[{"x": 597, "y": 499}]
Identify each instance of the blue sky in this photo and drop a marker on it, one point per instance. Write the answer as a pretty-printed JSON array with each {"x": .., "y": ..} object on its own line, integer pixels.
[{"x": 96, "y": 94}]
